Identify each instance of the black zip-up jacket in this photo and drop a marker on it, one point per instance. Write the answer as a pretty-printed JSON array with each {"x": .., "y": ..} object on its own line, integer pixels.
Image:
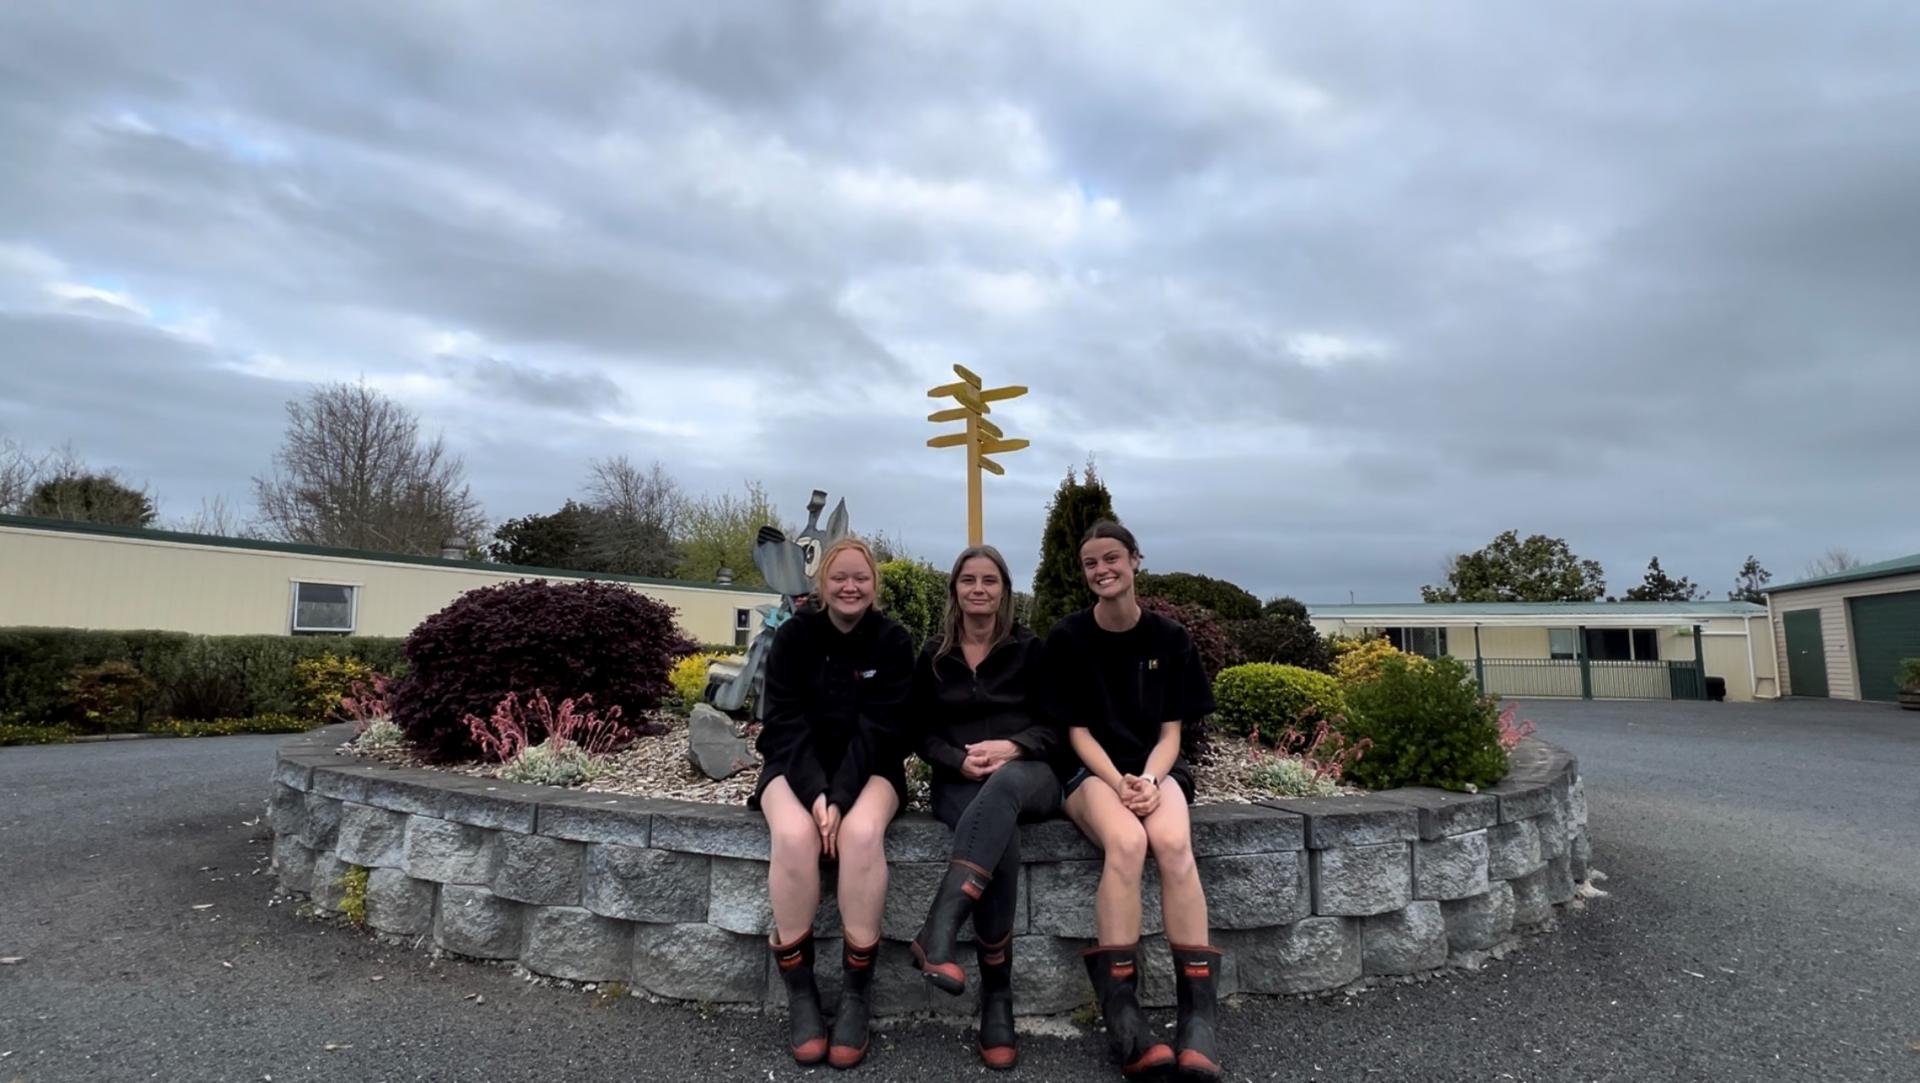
[
  {"x": 834, "y": 702},
  {"x": 955, "y": 705}
]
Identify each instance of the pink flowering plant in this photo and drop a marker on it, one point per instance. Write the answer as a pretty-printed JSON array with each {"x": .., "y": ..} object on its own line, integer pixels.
[
  {"x": 1512, "y": 732},
  {"x": 515, "y": 726},
  {"x": 366, "y": 703},
  {"x": 1304, "y": 762}
]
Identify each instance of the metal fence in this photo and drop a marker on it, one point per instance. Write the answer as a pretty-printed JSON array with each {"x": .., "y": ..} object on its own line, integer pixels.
[{"x": 1572, "y": 678}]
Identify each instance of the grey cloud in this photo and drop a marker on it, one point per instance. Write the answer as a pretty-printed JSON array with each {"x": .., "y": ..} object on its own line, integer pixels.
[{"x": 1642, "y": 276}]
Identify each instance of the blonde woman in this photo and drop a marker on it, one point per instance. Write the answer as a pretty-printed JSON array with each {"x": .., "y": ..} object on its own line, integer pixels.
[
  {"x": 977, "y": 703},
  {"x": 837, "y": 678}
]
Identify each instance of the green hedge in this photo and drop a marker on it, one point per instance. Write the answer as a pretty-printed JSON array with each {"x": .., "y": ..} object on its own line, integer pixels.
[
  {"x": 1270, "y": 697},
  {"x": 37, "y": 663}
]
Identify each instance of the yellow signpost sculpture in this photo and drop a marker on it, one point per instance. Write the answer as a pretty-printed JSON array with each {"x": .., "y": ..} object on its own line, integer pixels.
[{"x": 981, "y": 438}]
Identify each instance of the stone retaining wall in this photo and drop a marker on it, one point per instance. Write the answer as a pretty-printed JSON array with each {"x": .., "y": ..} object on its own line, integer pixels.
[{"x": 671, "y": 896}]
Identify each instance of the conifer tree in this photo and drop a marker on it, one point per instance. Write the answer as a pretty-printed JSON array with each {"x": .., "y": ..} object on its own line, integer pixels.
[{"x": 1058, "y": 586}]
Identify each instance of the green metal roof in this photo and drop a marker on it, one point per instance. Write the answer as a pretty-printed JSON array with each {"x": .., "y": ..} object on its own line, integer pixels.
[
  {"x": 1899, "y": 566},
  {"x": 1536, "y": 614},
  {"x": 67, "y": 526},
  {"x": 1540, "y": 609}
]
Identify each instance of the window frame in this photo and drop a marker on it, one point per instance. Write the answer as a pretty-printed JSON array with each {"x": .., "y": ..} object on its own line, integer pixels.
[
  {"x": 742, "y": 625},
  {"x": 293, "y": 606}
]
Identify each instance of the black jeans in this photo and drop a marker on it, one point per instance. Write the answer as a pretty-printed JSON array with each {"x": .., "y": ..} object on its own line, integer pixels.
[{"x": 986, "y": 817}]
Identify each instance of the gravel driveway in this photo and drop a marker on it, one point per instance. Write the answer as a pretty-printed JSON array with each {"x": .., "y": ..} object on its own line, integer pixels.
[{"x": 1762, "y": 923}]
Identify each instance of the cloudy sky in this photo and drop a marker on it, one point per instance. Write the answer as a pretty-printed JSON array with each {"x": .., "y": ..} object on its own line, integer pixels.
[{"x": 1329, "y": 291}]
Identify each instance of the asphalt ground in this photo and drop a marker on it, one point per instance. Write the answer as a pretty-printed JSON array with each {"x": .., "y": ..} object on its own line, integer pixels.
[{"x": 1763, "y": 878}]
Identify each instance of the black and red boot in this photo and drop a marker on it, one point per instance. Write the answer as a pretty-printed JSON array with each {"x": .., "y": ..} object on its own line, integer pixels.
[
  {"x": 1114, "y": 970},
  {"x": 937, "y": 943},
  {"x": 849, "y": 1045},
  {"x": 806, "y": 1028},
  {"x": 1196, "y": 976},
  {"x": 997, "y": 1049}
]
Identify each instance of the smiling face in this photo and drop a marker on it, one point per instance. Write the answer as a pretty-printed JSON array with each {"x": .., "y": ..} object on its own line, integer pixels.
[
  {"x": 849, "y": 586},
  {"x": 1109, "y": 568},
  {"x": 978, "y": 588}
]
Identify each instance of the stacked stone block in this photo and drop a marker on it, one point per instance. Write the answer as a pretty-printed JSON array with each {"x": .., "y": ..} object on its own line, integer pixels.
[{"x": 670, "y": 896}]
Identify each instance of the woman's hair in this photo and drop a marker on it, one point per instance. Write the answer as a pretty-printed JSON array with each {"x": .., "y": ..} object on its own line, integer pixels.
[
  {"x": 855, "y": 544},
  {"x": 1108, "y": 528},
  {"x": 952, "y": 624}
]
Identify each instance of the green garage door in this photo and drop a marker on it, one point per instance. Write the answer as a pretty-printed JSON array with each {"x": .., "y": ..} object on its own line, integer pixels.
[
  {"x": 1886, "y": 628},
  {"x": 1806, "y": 653}
]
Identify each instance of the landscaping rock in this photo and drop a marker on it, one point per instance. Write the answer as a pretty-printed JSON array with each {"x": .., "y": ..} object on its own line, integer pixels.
[
  {"x": 1310, "y": 955},
  {"x": 328, "y": 888},
  {"x": 1055, "y": 840},
  {"x": 713, "y": 745},
  {"x": 1404, "y": 941},
  {"x": 737, "y": 899},
  {"x": 716, "y": 830},
  {"x": 577, "y": 944},
  {"x": 1450, "y": 868},
  {"x": 1252, "y": 891},
  {"x": 1354, "y": 881},
  {"x": 1577, "y": 802},
  {"x": 918, "y": 838},
  {"x": 910, "y": 890},
  {"x": 321, "y": 827},
  {"x": 287, "y": 810},
  {"x": 1479, "y": 922},
  {"x": 1228, "y": 828},
  {"x": 1060, "y": 898},
  {"x": 398, "y": 903},
  {"x": 536, "y": 869},
  {"x": 450, "y": 853},
  {"x": 1443, "y": 812},
  {"x": 372, "y": 837},
  {"x": 1580, "y": 855},
  {"x": 1560, "y": 879},
  {"x": 695, "y": 961},
  {"x": 1048, "y": 975},
  {"x": 645, "y": 885},
  {"x": 1350, "y": 821},
  {"x": 597, "y": 817},
  {"x": 1552, "y": 825},
  {"x": 474, "y": 921},
  {"x": 293, "y": 863},
  {"x": 1513, "y": 850},
  {"x": 1532, "y": 900}
]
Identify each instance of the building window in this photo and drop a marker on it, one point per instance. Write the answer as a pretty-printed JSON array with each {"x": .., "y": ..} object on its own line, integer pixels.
[
  {"x": 1562, "y": 644},
  {"x": 742, "y": 626},
  {"x": 1623, "y": 644},
  {"x": 324, "y": 607},
  {"x": 1426, "y": 642}
]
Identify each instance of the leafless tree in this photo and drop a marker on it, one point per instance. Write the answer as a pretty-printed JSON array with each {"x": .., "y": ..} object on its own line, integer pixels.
[
  {"x": 356, "y": 472},
  {"x": 20, "y": 471},
  {"x": 1832, "y": 562},
  {"x": 638, "y": 513},
  {"x": 215, "y": 517}
]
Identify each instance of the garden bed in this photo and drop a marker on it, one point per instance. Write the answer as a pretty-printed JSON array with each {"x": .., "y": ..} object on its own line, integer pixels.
[{"x": 1305, "y": 895}]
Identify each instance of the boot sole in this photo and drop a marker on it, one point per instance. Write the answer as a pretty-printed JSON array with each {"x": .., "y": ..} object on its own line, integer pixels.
[
  {"x": 936, "y": 977},
  {"x": 1150, "y": 1065}
]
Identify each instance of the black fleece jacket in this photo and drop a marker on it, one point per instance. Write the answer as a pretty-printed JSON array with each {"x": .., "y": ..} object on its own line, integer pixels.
[
  {"x": 834, "y": 702},
  {"x": 954, "y": 705}
]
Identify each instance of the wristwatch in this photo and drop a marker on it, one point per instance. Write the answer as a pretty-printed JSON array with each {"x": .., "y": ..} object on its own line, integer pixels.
[{"x": 1152, "y": 779}]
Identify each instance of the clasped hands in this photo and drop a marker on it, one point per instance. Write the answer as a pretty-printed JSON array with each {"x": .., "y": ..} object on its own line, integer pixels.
[
  {"x": 1140, "y": 796},
  {"x": 827, "y": 818},
  {"x": 986, "y": 757}
]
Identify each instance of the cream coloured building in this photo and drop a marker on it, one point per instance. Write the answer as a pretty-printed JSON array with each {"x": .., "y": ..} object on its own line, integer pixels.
[
  {"x": 81, "y": 575},
  {"x": 1594, "y": 650}
]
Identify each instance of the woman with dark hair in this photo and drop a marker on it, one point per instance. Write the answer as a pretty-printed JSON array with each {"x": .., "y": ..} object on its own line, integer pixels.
[
  {"x": 837, "y": 678},
  {"x": 977, "y": 696},
  {"x": 1124, "y": 681}
]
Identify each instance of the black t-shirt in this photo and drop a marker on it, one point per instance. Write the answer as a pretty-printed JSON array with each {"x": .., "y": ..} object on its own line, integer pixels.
[{"x": 1123, "y": 686}]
